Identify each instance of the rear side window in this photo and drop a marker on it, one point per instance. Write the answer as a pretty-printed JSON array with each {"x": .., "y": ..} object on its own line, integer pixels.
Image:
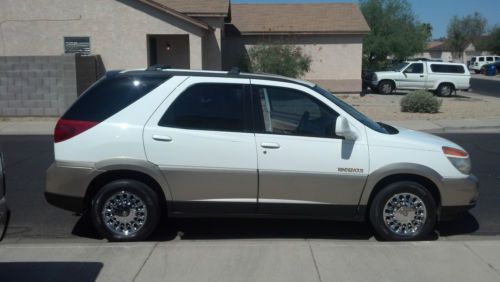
[
  {"x": 481, "y": 59},
  {"x": 111, "y": 95},
  {"x": 447, "y": 68},
  {"x": 208, "y": 106},
  {"x": 497, "y": 59},
  {"x": 489, "y": 59}
]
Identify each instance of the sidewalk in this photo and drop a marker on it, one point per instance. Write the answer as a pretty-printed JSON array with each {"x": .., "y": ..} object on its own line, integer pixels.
[
  {"x": 46, "y": 127},
  {"x": 253, "y": 260}
]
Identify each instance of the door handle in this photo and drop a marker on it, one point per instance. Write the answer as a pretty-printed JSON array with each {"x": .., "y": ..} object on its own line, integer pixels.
[
  {"x": 162, "y": 138},
  {"x": 422, "y": 76},
  {"x": 270, "y": 145}
]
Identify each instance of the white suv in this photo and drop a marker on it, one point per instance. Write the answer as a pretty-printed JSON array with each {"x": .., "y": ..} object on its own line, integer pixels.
[
  {"x": 477, "y": 62},
  {"x": 140, "y": 144}
]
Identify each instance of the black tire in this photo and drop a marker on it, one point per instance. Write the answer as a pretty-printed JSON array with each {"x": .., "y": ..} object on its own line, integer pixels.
[
  {"x": 477, "y": 71},
  {"x": 385, "y": 87},
  {"x": 138, "y": 193},
  {"x": 403, "y": 187},
  {"x": 445, "y": 89}
]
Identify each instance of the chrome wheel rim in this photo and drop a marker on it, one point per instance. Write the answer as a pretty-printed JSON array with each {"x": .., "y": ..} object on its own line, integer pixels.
[
  {"x": 405, "y": 214},
  {"x": 124, "y": 213}
]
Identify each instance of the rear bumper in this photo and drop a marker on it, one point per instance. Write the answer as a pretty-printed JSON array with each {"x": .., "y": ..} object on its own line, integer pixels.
[
  {"x": 458, "y": 196},
  {"x": 66, "y": 185},
  {"x": 4, "y": 216}
]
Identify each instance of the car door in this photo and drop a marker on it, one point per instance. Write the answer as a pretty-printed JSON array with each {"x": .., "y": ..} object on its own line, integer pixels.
[
  {"x": 200, "y": 138},
  {"x": 304, "y": 168},
  {"x": 414, "y": 76}
]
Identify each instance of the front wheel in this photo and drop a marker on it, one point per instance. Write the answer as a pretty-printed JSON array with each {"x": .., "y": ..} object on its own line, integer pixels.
[
  {"x": 125, "y": 210},
  {"x": 403, "y": 211}
]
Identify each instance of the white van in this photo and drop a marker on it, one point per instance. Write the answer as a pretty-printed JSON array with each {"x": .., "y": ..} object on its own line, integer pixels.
[{"x": 477, "y": 62}]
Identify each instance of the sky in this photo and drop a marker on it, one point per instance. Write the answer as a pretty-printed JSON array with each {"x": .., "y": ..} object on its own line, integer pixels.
[{"x": 436, "y": 12}]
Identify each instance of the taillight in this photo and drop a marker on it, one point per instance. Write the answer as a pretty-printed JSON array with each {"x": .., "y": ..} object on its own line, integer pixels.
[{"x": 66, "y": 128}]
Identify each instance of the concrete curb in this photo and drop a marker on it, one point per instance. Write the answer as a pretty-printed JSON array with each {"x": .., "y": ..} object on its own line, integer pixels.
[{"x": 256, "y": 260}]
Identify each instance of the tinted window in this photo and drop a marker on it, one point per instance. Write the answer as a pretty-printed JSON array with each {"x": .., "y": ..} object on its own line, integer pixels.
[
  {"x": 473, "y": 59},
  {"x": 110, "y": 95},
  {"x": 208, "y": 107},
  {"x": 497, "y": 58},
  {"x": 291, "y": 112},
  {"x": 447, "y": 68},
  {"x": 415, "y": 68},
  {"x": 489, "y": 59},
  {"x": 481, "y": 59}
]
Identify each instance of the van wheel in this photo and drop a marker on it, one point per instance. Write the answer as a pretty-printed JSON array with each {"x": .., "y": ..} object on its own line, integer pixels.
[
  {"x": 385, "y": 87},
  {"x": 125, "y": 210},
  {"x": 445, "y": 89},
  {"x": 403, "y": 211}
]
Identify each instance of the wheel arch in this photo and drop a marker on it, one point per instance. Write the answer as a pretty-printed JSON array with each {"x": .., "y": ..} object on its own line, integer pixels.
[{"x": 382, "y": 177}]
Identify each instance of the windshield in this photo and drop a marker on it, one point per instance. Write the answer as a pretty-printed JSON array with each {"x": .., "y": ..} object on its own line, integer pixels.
[
  {"x": 399, "y": 67},
  {"x": 351, "y": 111}
]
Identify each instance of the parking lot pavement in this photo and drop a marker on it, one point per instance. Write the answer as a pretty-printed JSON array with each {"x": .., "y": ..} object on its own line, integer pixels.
[{"x": 253, "y": 260}]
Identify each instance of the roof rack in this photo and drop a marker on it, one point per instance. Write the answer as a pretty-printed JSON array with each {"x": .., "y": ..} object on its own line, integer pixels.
[
  {"x": 158, "y": 67},
  {"x": 234, "y": 71}
]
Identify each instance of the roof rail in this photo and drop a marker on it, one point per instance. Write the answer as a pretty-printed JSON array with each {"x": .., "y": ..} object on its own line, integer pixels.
[
  {"x": 158, "y": 67},
  {"x": 234, "y": 71}
]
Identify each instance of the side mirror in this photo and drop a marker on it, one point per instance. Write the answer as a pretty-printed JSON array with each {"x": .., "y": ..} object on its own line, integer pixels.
[{"x": 342, "y": 128}]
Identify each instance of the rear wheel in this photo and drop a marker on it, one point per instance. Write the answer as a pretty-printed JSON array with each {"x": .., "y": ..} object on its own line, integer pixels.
[
  {"x": 445, "y": 89},
  {"x": 125, "y": 210},
  {"x": 403, "y": 211},
  {"x": 385, "y": 87}
]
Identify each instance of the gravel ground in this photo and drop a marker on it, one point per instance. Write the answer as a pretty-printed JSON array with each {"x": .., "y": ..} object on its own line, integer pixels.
[{"x": 386, "y": 107}]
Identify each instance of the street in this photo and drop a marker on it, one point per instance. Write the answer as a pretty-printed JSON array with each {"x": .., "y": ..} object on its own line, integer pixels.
[
  {"x": 485, "y": 87},
  {"x": 27, "y": 158}
]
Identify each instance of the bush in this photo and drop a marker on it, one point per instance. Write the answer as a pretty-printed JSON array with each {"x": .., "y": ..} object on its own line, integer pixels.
[
  {"x": 420, "y": 102},
  {"x": 284, "y": 60}
]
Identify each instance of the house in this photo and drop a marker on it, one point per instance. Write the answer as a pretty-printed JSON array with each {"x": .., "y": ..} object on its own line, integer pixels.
[
  {"x": 440, "y": 50},
  {"x": 195, "y": 34}
]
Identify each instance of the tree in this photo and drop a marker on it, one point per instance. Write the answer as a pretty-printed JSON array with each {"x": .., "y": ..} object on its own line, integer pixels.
[
  {"x": 286, "y": 60},
  {"x": 394, "y": 31},
  {"x": 462, "y": 31},
  {"x": 492, "y": 44}
]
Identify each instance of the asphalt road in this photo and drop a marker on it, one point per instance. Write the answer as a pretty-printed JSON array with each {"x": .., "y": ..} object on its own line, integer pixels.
[
  {"x": 485, "y": 87},
  {"x": 27, "y": 158}
]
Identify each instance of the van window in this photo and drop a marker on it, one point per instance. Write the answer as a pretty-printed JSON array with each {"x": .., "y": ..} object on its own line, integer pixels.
[
  {"x": 497, "y": 59},
  {"x": 292, "y": 112},
  {"x": 447, "y": 68},
  {"x": 208, "y": 106},
  {"x": 481, "y": 59},
  {"x": 473, "y": 59},
  {"x": 489, "y": 59}
]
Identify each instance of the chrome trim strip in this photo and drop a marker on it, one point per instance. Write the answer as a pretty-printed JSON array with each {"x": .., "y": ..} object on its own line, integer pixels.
[
  {"x": 232, "y": 200},
  {"x": 284, "y": 201}
]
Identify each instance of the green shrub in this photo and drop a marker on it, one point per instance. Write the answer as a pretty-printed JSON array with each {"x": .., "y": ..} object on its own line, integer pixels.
[
  {"x": 284, "y": 60},
  {"x": 420, "y": 101}
]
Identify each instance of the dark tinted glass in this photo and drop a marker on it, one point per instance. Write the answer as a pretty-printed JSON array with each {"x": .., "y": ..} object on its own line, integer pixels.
[
  {"x": 208, "y": 107},
  {"x": 447, "y": 68},
  {"x": 111, "y": 95},
  {"x": 415, "y": 68},
  {"x": 291, "y": 112}
]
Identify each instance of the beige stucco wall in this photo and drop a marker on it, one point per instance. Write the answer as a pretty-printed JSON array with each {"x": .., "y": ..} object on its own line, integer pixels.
[
  {"x": 117, "y": 28},
  {"x": 336, "y": 59},
  {"x": 212, "y": 43}
]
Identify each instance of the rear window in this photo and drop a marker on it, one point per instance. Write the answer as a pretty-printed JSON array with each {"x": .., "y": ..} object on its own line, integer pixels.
[
  {"x": 111, "y": 95},
  {"x": 447, "y": 68}
]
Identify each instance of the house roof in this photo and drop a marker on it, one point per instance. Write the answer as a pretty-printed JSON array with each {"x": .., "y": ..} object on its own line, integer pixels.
[
  {"x": 167, "y": 9},
  {"x": 443, "y": 45},
  {"x": 325, "y": 18},
  {"x": 198, "y": 7}
]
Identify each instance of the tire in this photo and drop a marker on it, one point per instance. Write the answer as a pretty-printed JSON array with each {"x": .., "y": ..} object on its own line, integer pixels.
[
  {"x": 477, "y": 71},
  {"x": 421, "y": 216},
  {"x": 134, "y": 219},
  {"x": 385, "y": 87},
  {"x": 445, "y": 89}
]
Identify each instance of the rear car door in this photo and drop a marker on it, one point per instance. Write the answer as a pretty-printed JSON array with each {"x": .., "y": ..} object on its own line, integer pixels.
[
  {"x": 201, "y": 139},
  {"x": 304, "y": 168}
]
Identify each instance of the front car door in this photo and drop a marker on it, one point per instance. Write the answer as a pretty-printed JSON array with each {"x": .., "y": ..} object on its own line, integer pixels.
[
  {"x": 414, "y": 77},
  {"x": 304, "y": 168},
  {"x": 201, "y": 139}
]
